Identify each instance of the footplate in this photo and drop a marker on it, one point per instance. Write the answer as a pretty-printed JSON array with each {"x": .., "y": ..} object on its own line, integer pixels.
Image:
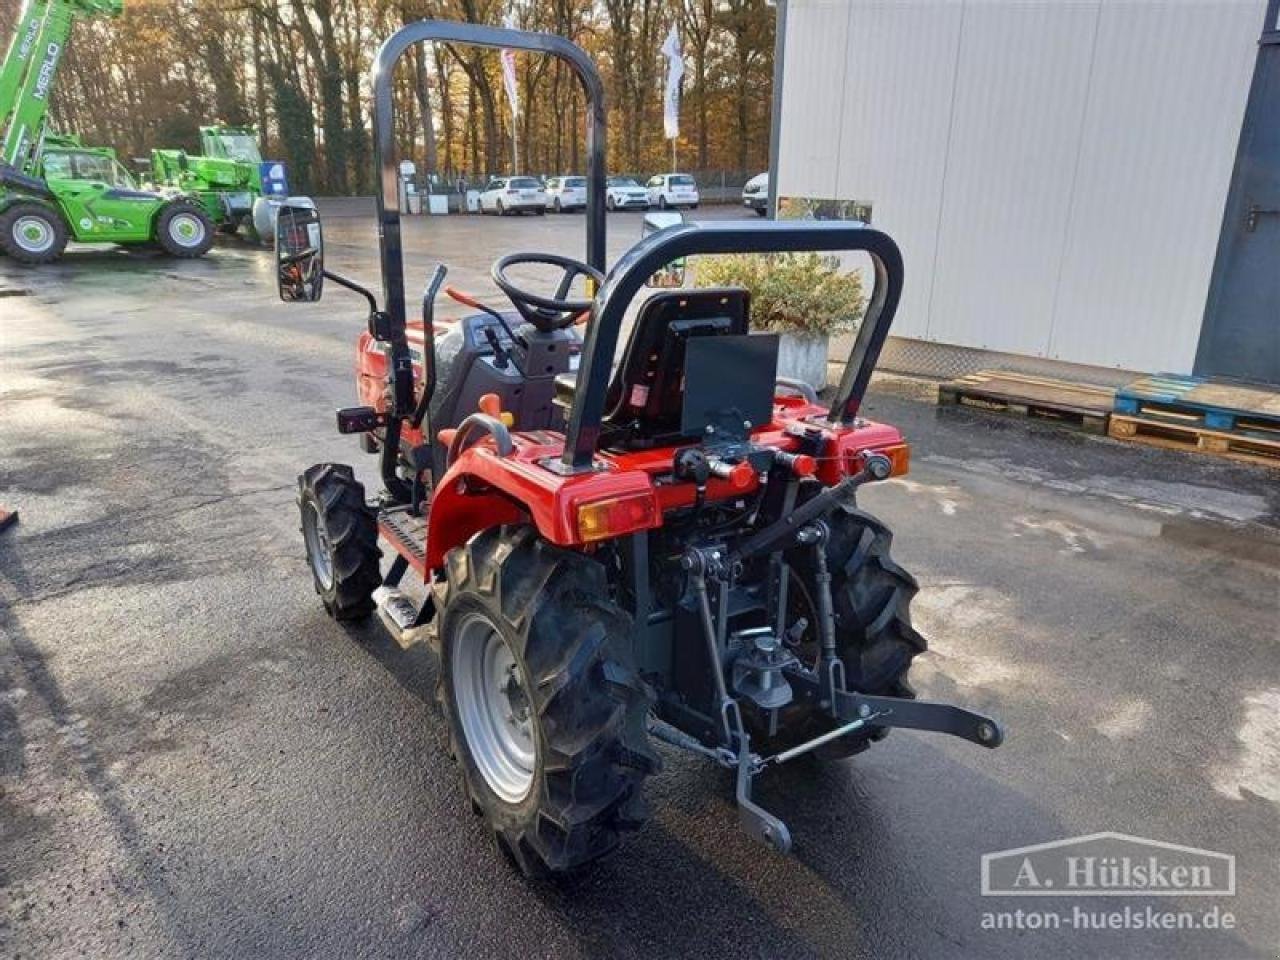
[
  {"x": 403, "y": 618},
  {"x": 407, "y": 535}
]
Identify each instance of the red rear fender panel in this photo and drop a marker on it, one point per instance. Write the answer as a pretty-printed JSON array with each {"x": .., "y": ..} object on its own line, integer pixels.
[{"x": 482, "y": 490}]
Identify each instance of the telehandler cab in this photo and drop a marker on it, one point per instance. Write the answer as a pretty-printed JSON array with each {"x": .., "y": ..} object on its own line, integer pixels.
[{"x": 616, "y": 554}]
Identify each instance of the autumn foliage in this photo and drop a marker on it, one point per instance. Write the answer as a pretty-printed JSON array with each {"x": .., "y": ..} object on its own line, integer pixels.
[{"x": 299, "y": 70}]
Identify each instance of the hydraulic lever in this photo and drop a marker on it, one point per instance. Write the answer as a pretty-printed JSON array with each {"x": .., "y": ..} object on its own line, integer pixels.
[
  {"x": 875, "y": 466},
  {"x": 428, "y": 354}
]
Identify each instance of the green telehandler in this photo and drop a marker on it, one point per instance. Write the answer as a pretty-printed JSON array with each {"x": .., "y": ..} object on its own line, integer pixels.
[
  {"x": 229, "y": 180},
  {"x": 53, "y": 188}
]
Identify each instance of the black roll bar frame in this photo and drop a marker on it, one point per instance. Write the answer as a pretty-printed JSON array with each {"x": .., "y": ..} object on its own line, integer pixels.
[
  {"x": 655, "y": 251},
  {"x": 399, "y": 370}
]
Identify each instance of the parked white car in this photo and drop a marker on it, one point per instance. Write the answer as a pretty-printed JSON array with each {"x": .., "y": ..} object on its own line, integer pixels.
[
  {"x": 567, "y": 193},
  {"x": 503, "y": 195},
  {"x": 755, "y": 194},
  {"x": 673, "y": 190},
  {"x": 623, "y": 193}
]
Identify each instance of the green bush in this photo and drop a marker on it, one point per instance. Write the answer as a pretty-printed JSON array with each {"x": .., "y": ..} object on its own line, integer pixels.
[{"x": 803, "y": 294}]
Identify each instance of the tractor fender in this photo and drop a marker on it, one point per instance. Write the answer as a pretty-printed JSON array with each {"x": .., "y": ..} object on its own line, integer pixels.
[{"x": 482, "y": 490}]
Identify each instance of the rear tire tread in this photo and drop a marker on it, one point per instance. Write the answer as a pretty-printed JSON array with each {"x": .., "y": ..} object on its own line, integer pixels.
[{"x": 574, "y": 645}]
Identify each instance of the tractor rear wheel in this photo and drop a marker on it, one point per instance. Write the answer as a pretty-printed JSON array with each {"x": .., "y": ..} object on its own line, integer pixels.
[
  {"x": 871, "y": 596},
  {"x": 341, "y": 535},
  {"x": 32, "y": 233},
  {"x": 546, "y": 711},
  {"x": 184, "y": 230}
]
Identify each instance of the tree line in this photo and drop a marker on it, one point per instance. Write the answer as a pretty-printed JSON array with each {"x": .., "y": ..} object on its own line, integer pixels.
[{"x": 299, "y": 71}]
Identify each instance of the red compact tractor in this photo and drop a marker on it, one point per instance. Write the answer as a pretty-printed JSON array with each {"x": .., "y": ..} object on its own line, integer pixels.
[{"x": 667, "y": 548}]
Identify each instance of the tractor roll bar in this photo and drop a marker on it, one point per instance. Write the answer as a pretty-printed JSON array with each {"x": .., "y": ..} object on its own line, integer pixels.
[
  {"x": 475, "y": 35},
  {"x": 768, "y": 236}
]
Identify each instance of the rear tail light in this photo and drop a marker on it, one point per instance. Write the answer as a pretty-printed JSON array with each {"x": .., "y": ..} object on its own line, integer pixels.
[
  {"x": 618, "y": 515},
  {"x": 900, "y": 457}
]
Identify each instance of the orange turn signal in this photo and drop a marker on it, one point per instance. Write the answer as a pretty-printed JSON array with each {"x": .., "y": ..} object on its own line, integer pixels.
[
  {"x": 900, "y": 456},
  {"x": 618, "y": 515}
]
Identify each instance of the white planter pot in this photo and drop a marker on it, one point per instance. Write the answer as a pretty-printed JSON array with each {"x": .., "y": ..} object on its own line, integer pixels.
[{"x": 804, "y": 359}]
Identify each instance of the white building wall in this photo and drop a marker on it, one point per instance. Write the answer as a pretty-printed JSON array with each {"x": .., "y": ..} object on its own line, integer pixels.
[{"x": 1055, "y": 172}]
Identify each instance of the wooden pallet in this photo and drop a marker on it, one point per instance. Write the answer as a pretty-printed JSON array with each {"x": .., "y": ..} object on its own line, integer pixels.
[
  {"x": 1198, "y": 402},
  {"x": 1173, "y": 436},
  {"x": 1083, "y": 405}
]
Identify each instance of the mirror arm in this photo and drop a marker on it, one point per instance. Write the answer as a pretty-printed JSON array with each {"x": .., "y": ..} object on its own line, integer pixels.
[{"x": 353, "y": 287}]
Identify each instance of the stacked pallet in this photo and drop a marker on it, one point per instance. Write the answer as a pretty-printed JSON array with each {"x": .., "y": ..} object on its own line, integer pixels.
[
  {"x": 1081, "y": 405},
  {"x": 1193, "y": 413}
]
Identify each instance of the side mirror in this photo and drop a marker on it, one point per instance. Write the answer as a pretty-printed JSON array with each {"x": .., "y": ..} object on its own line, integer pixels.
[
  {"x": 672, "y": 275},
  {"x": 299, "y": 254}
]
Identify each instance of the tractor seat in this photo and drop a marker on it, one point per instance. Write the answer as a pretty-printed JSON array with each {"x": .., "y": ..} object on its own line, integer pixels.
[{"x": 644, "y": 396}]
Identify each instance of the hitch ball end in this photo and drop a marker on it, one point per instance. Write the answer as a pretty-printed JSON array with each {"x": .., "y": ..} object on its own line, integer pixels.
[
  {"x": 990, "y": 734},
  {"x": 878, "y": 466}
]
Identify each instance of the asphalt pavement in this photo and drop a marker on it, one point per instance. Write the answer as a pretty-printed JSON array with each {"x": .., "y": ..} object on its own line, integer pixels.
[{"x": 196, "y": 762}]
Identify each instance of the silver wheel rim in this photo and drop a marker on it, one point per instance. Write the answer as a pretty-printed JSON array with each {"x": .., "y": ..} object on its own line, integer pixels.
[
  {"x": 494, "y": 708},
  {"x": 33, "y": 234},
  {"x": 186, "y": 230},
  {"x": 319, "y": 552}
]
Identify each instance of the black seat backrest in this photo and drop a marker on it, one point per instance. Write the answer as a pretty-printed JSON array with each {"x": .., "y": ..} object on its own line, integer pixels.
[{"x": 645, "y": 400}]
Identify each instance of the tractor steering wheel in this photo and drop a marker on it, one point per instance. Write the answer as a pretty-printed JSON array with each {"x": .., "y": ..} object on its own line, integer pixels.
[{"x": 546, "y": 313}]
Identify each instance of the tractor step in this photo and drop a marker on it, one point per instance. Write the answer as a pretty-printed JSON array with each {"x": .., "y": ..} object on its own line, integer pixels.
[
  {"x": 400, "y": 616},
  {"x": 407, "y": 535}
]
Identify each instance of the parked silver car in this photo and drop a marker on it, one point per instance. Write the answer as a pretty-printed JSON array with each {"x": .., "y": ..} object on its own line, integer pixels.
[
  {"x": 623, "y": 193},
  {"x": 756, "y": 193},
  {"x": 567, "y": 193},
  {"x": 503, "y": 195}
]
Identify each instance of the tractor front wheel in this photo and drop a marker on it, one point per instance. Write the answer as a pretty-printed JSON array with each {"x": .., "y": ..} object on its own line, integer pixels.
[
  {"x": 32, "y": 233},
  {"x": 341, "y": 535},
  {"x": 184, "y": 230},
  {"x": 545, "y": 708}
]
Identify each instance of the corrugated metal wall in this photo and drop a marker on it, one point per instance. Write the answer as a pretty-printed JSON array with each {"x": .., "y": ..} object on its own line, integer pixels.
[{"x": 1055, "y": 171}]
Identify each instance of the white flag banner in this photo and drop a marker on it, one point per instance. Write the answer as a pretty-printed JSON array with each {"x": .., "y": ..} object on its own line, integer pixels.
[
  {"x": 671, "y": 95},
  {"x": 509, "y": 69}
]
